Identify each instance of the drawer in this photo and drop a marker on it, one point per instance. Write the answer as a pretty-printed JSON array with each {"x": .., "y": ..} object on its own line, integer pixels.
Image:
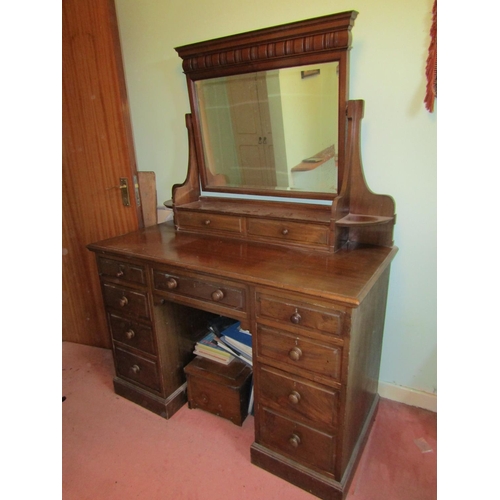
[
  {"x": 209, "y": 222},
  {"x": 129, "y": 301},
  {"x": 299, "y": 352},
  {"x": 298, "y": 398},
  {"x": 214, "y": 292},
  {"x": 137, "y": 369},
  {"x": 312, "y": 234},
  {"x": 124, "y": 271},
  {"x": 294, "y": 313},
  {"x": 297, "y": 441},
  {"x": 132, "y": 333}
]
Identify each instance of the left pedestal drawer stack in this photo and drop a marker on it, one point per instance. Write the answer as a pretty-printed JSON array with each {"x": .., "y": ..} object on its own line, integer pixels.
[{"x": 129, "y": 310}]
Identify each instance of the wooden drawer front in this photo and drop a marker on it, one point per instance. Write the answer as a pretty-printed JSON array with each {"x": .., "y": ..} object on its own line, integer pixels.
[
  {"x": 209, "y": 222},
  {"x": 121, "y": 270},
  {"x": 312, "y": 234},
  {"x": 219, "y": 293},
  {"x": 299, "y": 442},
  {"x": 299, "y": 352},
  {"x": 129, "y": 301},
  {"x": 291, "y": 313},
  {"x": 137, "y": 369},
  {"x": 132, "y": 333},
  {"x": 298, "y": 398}
]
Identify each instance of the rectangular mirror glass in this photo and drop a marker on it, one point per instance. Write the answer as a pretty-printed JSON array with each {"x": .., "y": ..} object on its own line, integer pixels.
[{"x": 274, "y": 130}]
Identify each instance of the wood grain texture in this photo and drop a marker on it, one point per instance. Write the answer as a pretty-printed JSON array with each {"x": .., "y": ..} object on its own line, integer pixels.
[
  {"x": 344, "y": 276},
  {"x": 97, "y": 151},
  {"x": 149, "y": 202}
]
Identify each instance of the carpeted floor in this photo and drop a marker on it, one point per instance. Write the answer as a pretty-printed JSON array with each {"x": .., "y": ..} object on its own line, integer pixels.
[{"x": 114, "y": 449}]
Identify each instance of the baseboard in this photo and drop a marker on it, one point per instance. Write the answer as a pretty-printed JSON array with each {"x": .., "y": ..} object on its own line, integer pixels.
[{"x": 408, "y": 396}]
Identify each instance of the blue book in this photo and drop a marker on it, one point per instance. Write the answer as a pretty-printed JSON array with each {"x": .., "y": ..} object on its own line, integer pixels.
[{"x": 234, "y": 332}]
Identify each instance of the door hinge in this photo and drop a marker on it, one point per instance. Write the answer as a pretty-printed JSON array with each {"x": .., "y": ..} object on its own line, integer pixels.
[{"x": 137, "y": 192}]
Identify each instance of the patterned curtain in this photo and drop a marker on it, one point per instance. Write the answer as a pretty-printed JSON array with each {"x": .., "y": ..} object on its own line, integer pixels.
[{"x": 431, "y": 69}]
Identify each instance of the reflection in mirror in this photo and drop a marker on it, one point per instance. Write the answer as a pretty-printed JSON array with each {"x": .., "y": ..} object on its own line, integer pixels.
[{"x": 272, "y": 130}]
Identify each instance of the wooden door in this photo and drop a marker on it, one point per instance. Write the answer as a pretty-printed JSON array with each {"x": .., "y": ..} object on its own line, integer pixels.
[
  {"x": 252, "y": 129},
  {"x": 97, "y": 152}
]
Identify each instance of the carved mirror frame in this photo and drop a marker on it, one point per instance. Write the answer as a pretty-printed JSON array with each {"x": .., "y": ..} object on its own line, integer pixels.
[{"x": 320, "y": 40}]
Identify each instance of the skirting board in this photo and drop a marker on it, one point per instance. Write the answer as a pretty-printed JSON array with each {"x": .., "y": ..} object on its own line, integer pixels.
[{"x": 408, "y": 396}]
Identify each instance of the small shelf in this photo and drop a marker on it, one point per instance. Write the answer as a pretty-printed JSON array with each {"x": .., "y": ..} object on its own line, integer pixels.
[
  {"x": 351, "y": 220},
  {"x": 316, "y": 160}
]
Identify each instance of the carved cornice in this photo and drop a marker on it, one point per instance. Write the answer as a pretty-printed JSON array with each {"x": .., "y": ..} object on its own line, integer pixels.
[{"x": 270, "y": 47}]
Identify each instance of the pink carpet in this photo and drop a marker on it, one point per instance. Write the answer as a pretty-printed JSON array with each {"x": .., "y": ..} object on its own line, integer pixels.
[{"x": 114, "y": 449}]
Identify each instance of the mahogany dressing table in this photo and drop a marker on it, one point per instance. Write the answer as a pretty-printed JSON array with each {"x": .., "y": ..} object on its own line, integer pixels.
[{"x": 305, "y": 269}]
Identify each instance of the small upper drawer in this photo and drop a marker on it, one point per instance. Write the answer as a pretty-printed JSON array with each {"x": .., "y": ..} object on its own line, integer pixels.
[
  {"x": 294, "y": 313},
  {"x": 127, "y": 300},
  {"x": 298, "y": 232},
  {"x": 137, "y": 369},
  {"x": 132, "y": 333},
  {"x": 222, "y": 293},
  {"x": 297, "y": 397},
  {"x": 299, "y": 442},
  {"x": 299, "y": 352},
  {"x": 209, "y": 222},
  {"x": 121, "y": 270}
]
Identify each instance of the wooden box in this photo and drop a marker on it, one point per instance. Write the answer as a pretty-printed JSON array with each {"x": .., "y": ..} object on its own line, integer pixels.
[{"x": 223, "y": 390}]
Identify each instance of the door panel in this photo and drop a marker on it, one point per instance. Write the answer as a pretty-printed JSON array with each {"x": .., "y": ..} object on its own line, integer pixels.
[
  {"x": 252, "y": 129},
  {"x": 97, "y": 151}
]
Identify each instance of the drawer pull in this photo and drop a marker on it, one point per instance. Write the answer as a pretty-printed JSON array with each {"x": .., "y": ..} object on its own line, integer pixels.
[
  {"x": 295, "y": 317},
  {"x": 294, "y": 440},
  {"x": 120, "y": 273},
  {"x": 207, "y": 222},
  {"x": 135, "y": 369},
  {"x": 217, "y": 295},
  {"x": 172, "y": 283},
  {"x": 130, "y": 334},
  {"x": 123, "y": 301},
  {"x": 295, "y": 353},
  {"x": 294, "y": 397},
  {"x": 284, "y": 232}
]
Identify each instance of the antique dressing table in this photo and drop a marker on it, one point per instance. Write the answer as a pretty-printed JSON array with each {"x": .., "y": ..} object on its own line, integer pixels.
[{"x": 274, "y": 226}]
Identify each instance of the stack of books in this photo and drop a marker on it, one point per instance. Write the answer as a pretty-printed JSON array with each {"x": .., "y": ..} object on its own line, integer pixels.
[
  {"x": 236, "y": 342},
  {"x": 207, "y": 348}
]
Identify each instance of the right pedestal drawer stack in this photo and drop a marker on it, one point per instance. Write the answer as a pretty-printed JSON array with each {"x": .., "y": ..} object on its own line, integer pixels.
[
  {"x": 316, "y": 370},
  {"x": 299, "y": 353}
]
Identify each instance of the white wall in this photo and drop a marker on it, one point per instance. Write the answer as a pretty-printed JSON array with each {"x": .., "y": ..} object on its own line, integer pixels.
[{"x": 390, "y": 41}]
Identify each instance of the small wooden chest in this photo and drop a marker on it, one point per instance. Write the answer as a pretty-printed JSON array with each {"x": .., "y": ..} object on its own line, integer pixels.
[{"x": 223, "y": 390}]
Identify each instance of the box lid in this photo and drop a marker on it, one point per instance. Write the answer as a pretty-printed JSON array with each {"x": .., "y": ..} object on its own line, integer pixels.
[{"x": 233, "y": 374}]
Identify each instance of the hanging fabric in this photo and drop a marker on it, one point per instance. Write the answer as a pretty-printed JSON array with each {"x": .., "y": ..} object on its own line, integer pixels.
[{"x": 431, "y": 69}]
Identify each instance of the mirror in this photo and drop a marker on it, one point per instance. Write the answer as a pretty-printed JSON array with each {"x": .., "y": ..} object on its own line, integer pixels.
[
  {"x": 271, "y": 130},
  {"x": 268, "y": 110}
]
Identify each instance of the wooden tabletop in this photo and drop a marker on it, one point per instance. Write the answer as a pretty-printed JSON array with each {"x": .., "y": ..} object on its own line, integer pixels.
[{"x": 344, "y": 276}]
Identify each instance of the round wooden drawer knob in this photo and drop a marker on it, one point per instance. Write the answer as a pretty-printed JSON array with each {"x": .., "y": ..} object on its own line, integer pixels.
[
  {"x": 294, "y": 440},
  {"x": 295, "y": 353},
  {"x": 130, "y": 334},
  {"x": 172, "y": 283},
  {"x": 217, "y": 295},
  {"x": 123, "y": 301},
  {"x": 294, "y": 397},
  {"x": 295, "y": 317},
  {"x": 135, "y": 369}
]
